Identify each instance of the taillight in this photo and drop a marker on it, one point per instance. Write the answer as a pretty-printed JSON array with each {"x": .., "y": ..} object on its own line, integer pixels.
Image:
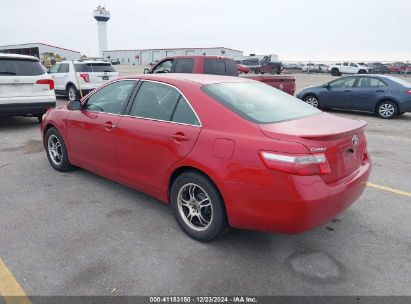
[
  {"x": 50, "y": 82},
  {"x": 298, "y": 164},
  {"x": 85, "y": 76},
  {"x": 408, "y": 92}
]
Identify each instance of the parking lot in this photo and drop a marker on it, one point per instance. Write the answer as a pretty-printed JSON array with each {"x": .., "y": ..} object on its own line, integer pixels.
[{"x": 79, "y": 234}]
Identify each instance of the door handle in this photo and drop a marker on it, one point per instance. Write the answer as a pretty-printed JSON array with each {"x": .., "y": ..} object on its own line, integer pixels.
[
  {"x": 109, "y": 125},
  {"x": 180, "y": 136},
  {"x": 347, "y": 91},
  {"x": 380, "y": 91}
]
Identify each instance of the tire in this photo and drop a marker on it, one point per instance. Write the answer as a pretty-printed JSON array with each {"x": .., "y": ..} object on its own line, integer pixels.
[
  {"x": 72, "y": 93},
  {"x": 312, "y": 100},
  {"x": 335, "y": 72},
  {"x": 362, "y": 72},
  {"x": 193, "y": 192},
  {"x": 56, "y": 151},
  {"x": 387, "y": 109},
  {"x": 257, "y": 71}
]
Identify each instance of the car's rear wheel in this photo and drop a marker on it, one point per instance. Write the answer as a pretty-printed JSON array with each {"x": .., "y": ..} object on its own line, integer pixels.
[
  {"x": 362, "y": 72},
  {"x": 312, "y": 100},
  {"x": 72, "y": 93},
  {"x": 257, "y": 71},
  {"x": 56, "y": 151},
  {"x": 198, "y": 207},
  {"x": 387, "y": 110}
]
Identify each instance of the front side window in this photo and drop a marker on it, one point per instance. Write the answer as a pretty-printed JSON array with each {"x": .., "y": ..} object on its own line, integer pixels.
[
  {"x": 112, "y": 98},
  {"x": 353, "y": 65},
  {"x": 163, "y": 67},
  {"x": 259, "y": 102},
  {"x": 343, "y": 83},
  {"x": 20, "y": 67}
]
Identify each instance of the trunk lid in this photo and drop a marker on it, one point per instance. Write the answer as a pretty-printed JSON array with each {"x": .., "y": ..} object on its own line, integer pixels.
[
  {"x": 341, "y": 140},
  {"x": 22, "y": 86}
]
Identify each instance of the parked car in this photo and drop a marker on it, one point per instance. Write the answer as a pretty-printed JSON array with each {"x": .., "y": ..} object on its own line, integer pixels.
[
  {"x": 291, "y": 66},
  {"x": 378, "y": 67},
  {"x": 399, "y": 68},
  {"x": 222, "y": 151},
  {"x": 269, "y": 67},
  {"x": 216, "y": 65},
  {"x": 348, "y": 68},
  {"x": 310, "y": 67},
  {"x": 25, "y": 87},
  {"x": 385, "y": 96},
  {"x": 115, "y": 61},
  {"x": 72, "y": 76},
  {"x": 243, "y": 69}
]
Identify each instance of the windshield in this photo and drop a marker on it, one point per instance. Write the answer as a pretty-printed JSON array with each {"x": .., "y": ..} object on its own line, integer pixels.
[
  {"x": 259, "y": 102},
  {"x": 94, "y": 67}
]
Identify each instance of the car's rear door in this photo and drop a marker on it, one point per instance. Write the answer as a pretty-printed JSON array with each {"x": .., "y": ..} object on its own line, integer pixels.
[
  {"x": 367, "y": 92},
  {"x": 161, "y": 128},
  {"x": 92, "y": 131}
]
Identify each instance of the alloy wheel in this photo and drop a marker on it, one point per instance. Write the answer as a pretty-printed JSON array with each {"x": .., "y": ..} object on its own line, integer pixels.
[
  {"x": 312, "y": 101},
  {"x": 194, "y": 206},
  {"x": 71, "y": 94},
  {"x": 386, "y": 110},
  {"x": 55, "y": 149}
]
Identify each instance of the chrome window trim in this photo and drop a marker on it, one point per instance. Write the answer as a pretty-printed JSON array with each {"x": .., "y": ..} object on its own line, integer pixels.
[{"x": 175, "y": 122}]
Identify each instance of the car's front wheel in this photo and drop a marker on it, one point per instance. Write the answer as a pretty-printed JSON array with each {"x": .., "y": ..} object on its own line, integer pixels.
[
  {"x": 56, "y": 151},
  {"x": 312, "y": 100},
  {"x": 387, "y": 110},
  {"x": 198, "y": 207}
]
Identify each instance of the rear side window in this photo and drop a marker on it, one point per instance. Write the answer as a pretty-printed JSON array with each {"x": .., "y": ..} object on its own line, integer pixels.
[
  {"x": 94, "y": 67},
  {"x": 259, "y": 102},
  {"x": 220, "y": 67},
  {"x": 184, "y": 65},
  {"x": 184, "y": 114},
  {"x": 20, "y": 67},
  {"x": 64, "y": 68}
]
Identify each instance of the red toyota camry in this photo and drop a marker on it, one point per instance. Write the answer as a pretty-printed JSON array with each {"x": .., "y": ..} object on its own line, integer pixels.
[{"x": 222, "y": 151}]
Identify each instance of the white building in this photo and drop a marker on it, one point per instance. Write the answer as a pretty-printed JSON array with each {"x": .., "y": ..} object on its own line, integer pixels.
[
  {"x": 39, "y": 49},
  {"x": 145, "y": 56}
]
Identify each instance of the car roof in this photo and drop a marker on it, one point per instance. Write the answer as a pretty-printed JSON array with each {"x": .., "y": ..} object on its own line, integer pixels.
[
  {"x": 202, "y": 79},
  {"x": 18, "y": 56}
]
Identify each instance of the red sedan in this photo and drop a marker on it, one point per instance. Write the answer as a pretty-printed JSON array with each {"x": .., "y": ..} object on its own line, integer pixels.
[{"x": 222, "y": 151}]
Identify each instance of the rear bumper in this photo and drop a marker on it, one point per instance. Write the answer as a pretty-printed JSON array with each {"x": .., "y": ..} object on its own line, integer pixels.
[
  {"x": 292, "y": 204},
  {"x": 26, "y": 106}
]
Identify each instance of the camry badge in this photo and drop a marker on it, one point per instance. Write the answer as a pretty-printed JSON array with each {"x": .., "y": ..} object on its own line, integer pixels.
[{"x": 318, "y": 149}]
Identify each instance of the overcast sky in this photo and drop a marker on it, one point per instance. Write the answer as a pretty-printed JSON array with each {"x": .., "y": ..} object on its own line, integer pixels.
[{"x": 293, "y": 29}]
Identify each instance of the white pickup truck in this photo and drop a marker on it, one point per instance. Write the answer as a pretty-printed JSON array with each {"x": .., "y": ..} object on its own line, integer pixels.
[{"x": 348, "y": 68}]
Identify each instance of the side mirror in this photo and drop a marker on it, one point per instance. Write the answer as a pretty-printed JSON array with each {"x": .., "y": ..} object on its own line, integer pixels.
[
  {"x": 327, "y": 86},
  {"x": 146, "y": 71},
  {"x": 74, "y": 105}
]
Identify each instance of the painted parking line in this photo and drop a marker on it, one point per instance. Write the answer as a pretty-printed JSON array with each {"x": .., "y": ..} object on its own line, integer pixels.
[
  {"x": 400, "y": 192},
  {"x": 10, "y": 289}
]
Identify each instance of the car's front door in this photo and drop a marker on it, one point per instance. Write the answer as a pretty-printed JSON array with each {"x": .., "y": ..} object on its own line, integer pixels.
[
  {"x": 91, "y": 131},
  {"x": 367, "y": 92},
  {"x": 160, "y": 129},
  {"x": 339, "y": 93}
]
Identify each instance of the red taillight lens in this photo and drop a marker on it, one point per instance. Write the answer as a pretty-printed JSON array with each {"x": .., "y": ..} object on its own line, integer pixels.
[
  {"x": 298, "y": 164},
  {"x": 85, "y": 76},
  {"x": 408, "y": 92},
  {"x": 50, "y": 82}
]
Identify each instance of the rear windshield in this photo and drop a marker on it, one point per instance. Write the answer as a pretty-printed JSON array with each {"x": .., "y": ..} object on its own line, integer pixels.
[
  {"x": 259, "y": 102},
  {"x": 401, "y": 82},
  {"x": 94, "y": 67},
  {"x": 20, "y": 67},
  {"x": 220, "y": 67}
]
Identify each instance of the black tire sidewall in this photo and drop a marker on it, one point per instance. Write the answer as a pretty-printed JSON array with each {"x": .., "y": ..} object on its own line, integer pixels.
[
  {"x": 387, "y": 102},
  {"x": 219, "y": 222},
  {"x": 65, "y": 164}
]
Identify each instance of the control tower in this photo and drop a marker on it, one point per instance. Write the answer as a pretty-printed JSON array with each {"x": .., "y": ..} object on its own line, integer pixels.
[{"x": 102, "y": 16}]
